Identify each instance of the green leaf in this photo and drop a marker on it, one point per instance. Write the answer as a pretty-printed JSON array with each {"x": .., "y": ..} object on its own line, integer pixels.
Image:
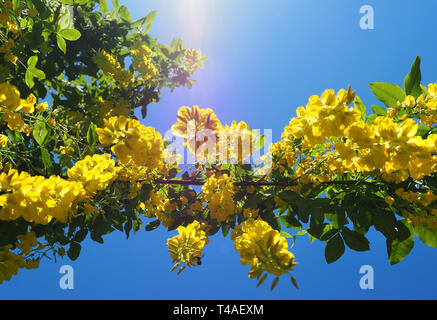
[
  {"x": 259, "y": 142},
  {"x": 423, "y": 130},
  {"x": 124, "y": 14},
  {"x": 128, "y": 228},
  {"x": 427, "y": 235},
  {"x": 64, "y": 22},
  {"x": 338, "y": 219},
  {"x": 412, "y": 80},
  {"x": 40, "y": 132},
  {"x": 103, "y": 6},
  {"x": 385, "y": 222},
  {"x": 290, "y": 222},
  {"x": 153, "y": 225},
  {"x": 37, "y": 73},
  {"x": 328, "y": 231},
  {"x": 359, "y": 105},
  {"x": 28, "y": 78},
  {"x": 150, "y": 17},
  {"x": 70, "y": 34},
  {"x": 370, "y": 119},
  {"x": 96, "y": 237},
  {"x": 334, "y": 249},
  {"x": 91, "y": 135},
  {"x": 74, "y": 250},
  {"x": 116, "y": 5},
  {"x": 398, "y": 250},
  {"x": 225, "y": 229},
  {"x": 380, "y": 111},
  {"x": 388, "y": 93},
  {"x": 147, "y": 28},
  {"x": 145, "y": 20},
  {"x": 286, "y": 234},
  {"x": 61, "y": 43},
  {"x": 32, "y": 61},
  {"x": 355, "y": 240},
  {"x": 15, "y": 4},
  {"x": 80, "y": 235},
  {"x": 424, "y": 90},
  {"x": 46, "y": 159},
  {"x": 271, "y": 219}
]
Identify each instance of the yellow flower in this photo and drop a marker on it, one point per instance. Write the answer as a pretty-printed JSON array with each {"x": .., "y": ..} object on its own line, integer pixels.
[
  {"x": 27, "y": 242},
  {"x": 389, "y": 200},
  {"x": 11, "y": 262},
  {"x": 187, "y": 246},
  {"x": 236, "y": 142},
  {"x": 9, "y": 97},
  {"x": 132, "y": 142},
  {"x": 192, "y": 59},
  {"x": 15, "y": 122},
  {"x": 112, "y": 67},
  {"x": 95, "y": 173},
  {"x": 218, "y": 192},
  {"x": 323, "y": 118},
  {"x": 194, "y": 119},
  {"x": 90, "y": 209},
  {"x": 263, "y": 248},
  {"x": 43, "y": 106},
  {"x": 28, "y": 105},
  {"x": 141, "y": 60},
  {"x": 250, "y": 213},
  {"x": 4, "y": 140},
  {"x": 38, "y": 199}
]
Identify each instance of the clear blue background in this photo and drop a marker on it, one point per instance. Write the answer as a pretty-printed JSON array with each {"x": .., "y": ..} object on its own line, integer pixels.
[{"x": 265, "y": 59}]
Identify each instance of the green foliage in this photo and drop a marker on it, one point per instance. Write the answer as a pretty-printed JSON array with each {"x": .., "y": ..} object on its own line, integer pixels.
[
  {"x": 388, "y": 93},
  {"x": 412, "y": 80},
  {"x": 398, "y": 249},
  {"x": 55, "y": 50},
  {"x": 56, "y": 62},
  {"x": 427, "y": 235},
  {"x": 334, "y": 248}
]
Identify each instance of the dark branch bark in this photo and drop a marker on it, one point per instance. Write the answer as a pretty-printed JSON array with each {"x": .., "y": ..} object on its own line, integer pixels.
[{"x": 253, "y": 183}]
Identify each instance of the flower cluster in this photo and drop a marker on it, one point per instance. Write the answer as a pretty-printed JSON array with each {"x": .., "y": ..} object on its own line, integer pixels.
[
  {"x": 209, "y": 140},
  {"x": 6, "y": 49},
  {"x": 236, "y": 142},
  {"x": 383, "y": 148},
  {"x": 141, "y": 61},
  {"x": 218, "y": 192},
  {"x": 5, "y": 18},
  {"x": 95, "y": 172},
  {"x": 38, "y": 199},
  {"x": 192, "y": 59},
  {"x": 12, "y": 107},
  {"x": 112, "y": 68},
  {"x": 323, "y": 118},
  {"x": 105, "y": 109},
  {"x": 424, "y": 107},
  {"x": 133, "y": 143},
  {"x": 263, "y": 248},
  {"x": 11, "y": 262},
  {"x": 187, "y": 246},
  {"x": 194, "y": 119}
]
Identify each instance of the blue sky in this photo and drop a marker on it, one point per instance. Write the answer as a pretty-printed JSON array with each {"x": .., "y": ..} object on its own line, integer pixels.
[{"x": 265, "y": 59}]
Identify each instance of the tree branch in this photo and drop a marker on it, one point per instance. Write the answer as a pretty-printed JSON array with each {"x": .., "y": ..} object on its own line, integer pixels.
[{"x": 253, "y": 183}]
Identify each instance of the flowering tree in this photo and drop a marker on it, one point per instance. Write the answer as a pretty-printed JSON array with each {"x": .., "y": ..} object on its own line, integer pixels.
[{"x": 75, "y": 161}]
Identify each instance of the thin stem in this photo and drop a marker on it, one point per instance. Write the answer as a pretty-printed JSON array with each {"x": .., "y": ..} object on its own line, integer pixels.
[{"x": 251, "y": 183}]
